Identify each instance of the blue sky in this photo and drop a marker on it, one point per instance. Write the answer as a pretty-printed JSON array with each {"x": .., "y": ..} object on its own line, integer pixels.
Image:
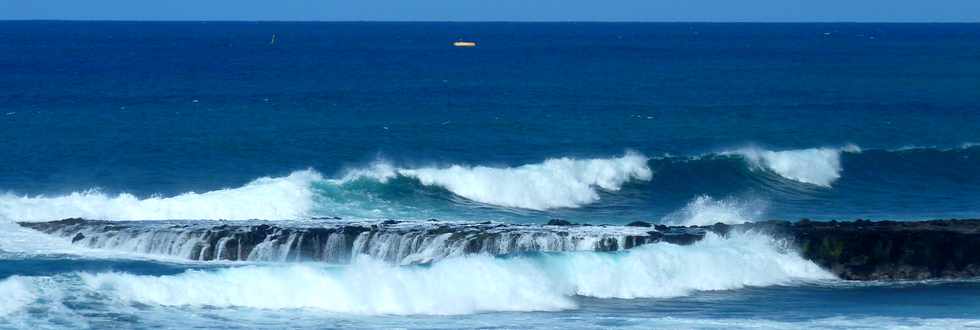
[{"x": 499, "y": 10}]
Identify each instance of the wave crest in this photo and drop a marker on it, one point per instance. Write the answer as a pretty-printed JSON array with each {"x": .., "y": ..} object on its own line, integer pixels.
[
  {"x": 287, "y": 197},
  {"x": 555, "y": 183},
  {"x": 817, "y": 166}
]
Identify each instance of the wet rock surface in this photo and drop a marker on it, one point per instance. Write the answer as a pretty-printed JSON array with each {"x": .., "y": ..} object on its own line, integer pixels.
[
  {"x": 853, "y": 250},
  {"x": 885, "y": 250},
  {"x": 402, "y": 242}
]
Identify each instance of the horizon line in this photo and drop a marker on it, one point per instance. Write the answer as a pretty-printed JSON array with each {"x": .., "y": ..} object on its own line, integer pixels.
[{"x": 476, "y": 21}]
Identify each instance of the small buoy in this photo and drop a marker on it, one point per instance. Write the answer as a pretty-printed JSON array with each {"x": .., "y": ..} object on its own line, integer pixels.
[{"x": 464, "y": 44}]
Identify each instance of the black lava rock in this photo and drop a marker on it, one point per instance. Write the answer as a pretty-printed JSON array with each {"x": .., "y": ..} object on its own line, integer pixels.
[{"x": 559, "y": 222}]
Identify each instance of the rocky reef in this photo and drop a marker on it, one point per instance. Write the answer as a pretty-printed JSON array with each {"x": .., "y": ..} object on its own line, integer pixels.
[
  {"x": 886, "y": 250},
  {"x": 854, "y": 250},
  {"x": 401, "y": 242}
]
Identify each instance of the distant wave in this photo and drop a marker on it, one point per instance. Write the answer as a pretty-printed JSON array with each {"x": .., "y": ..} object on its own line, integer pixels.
[
  {"x": 818, "y": 166},
  {"x": 474, "y": 284}
]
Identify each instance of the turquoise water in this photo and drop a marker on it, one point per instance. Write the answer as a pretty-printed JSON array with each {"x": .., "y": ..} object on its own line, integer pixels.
[{"x": 598, "y": 123}]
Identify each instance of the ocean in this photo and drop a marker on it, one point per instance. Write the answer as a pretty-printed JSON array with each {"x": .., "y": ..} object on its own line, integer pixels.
[{"x": 597, "y": 123}]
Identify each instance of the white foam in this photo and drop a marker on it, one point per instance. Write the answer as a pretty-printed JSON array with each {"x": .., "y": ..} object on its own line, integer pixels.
[
  {"x": 47, "y": 296},
  {"x": 817, "y": 166},
  {"x": 479, "y": 283},
  {"x": 458, "y": 286},
  {"x": 704, "y": 210},
  {"x": 287, "y": 197},
  {"x": 15, "y": 294},
  {"x": 554, "y": 183},
  {"x": 670, "y": 270}
]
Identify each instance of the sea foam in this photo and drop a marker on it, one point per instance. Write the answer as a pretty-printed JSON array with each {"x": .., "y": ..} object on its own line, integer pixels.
[
  {"x": 479, "y": 283},
  {"x": 16, "y": 294}
]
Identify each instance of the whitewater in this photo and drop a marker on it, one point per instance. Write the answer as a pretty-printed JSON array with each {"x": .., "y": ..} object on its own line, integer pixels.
[
  {"x": 365, "y": 175},
  {"x": 454, "y": 284},
  {"x": 371, "y": 286},
  {"x": 407, "y": 274},
  {"x": 473, "y": 284},
  {"x": 459, "y": 285}
]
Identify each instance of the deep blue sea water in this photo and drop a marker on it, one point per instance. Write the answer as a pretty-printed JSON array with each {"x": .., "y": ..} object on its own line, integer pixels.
[{"x": 591, "y": 122}]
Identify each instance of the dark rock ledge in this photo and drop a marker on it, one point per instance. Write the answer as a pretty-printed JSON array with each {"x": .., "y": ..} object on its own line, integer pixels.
[{"x": 853, "y": 250}]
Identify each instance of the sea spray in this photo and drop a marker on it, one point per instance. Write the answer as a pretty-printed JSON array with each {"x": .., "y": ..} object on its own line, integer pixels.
[{"x": 705, "y": 210}]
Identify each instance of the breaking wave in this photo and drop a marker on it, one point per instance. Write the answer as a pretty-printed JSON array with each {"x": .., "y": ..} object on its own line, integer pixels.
[
  {"x": 479, "y": 283},
  {"x": 383, "y": 190},
  {"x": 554, "y": 183},
  {"x": 16, "y": 294},
  {"x": 287, "y": 197},
  {"x": 817, "y": 166}
]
